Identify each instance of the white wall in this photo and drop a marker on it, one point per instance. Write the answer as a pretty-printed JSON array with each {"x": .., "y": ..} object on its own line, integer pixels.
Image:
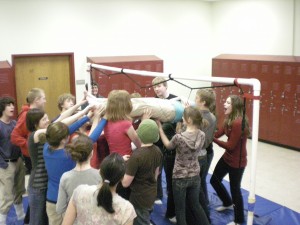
[
  {"x": 185, "y": 34},
  {"x": 254, "y": 27}
]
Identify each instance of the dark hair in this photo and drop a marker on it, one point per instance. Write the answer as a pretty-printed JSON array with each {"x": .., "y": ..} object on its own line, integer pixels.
[
  {"x": 80, "y": 148},
  {"x": 112, "y": 170},
  {"x": 195, "y": 115},
  {"x": 56, "y": 132},
  {"x": 5, "y": 101},
  {"x": 33, "y": 118},
  {"x": 94, "y": 83},
  {"x": 237, "y": 105}
]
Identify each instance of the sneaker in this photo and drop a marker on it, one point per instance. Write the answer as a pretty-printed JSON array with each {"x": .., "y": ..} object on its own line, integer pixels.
[
  {"x": 233, "y": 223},
  {"x": 222, "y": 208},
  {"x": 173, "y": 220},
  {"x": 158, "y": 202}
]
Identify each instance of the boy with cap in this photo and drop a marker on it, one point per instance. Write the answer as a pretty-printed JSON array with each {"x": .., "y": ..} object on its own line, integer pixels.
[{"x": 142, "y": 170}]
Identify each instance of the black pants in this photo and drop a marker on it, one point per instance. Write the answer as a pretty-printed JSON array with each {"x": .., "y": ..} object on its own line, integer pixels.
[
  {"x": 28, "y": 165},
  {"x": 235, "y": 178}
]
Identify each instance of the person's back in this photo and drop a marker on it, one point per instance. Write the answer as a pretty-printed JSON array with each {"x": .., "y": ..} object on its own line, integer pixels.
[
  {"x": 119, "y": 131},
  {"x": 143, "y": 164},
  {"x": 84, "y": 199},
  {"x": 142, "y": 170},
  {"x": 100, "y": 204},
  {"x": 80, "y": 150}
]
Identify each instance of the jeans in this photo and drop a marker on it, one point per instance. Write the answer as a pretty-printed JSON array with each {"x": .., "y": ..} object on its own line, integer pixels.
[
  {"x": 37, "y": 204},
  {"x": 235, "y": 178},
  {"x": 186, "y": 190},
  {"x": 169, "y": 161},
  {"x": 203, "y": 199},
  {"x": 143, "y": 216}
]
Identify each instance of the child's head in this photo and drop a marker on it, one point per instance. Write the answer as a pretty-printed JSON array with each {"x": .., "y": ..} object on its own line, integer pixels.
[
  {"x": 65, "y": 101},
  {"x": 206, "y": 97},
  {"x": 112, "y": 170},
  {"x": 160, "y": 87},
  {"x": 4, "y": 102},
  {"x": 36, "y": 97},
  {"x": 192, "y": 115},
  {"x": 118, "y": 106},
  {"x": 95, "y": 88},
  {"x": 135, "y": 95},
  {"x": 234, "y": 107},
  {"x": 148, "y": 131},
  {"x": 56, "y": 132},
  {"x": 36, "y": 119},
  {"x": 80, "y": 148}
]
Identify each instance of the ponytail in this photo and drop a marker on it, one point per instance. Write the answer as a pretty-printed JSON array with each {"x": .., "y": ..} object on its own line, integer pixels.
[{"x": 112, "y": 170}]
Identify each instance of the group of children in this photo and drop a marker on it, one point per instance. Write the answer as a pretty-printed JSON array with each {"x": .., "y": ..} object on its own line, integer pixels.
[{"x": 64, "y": 188}]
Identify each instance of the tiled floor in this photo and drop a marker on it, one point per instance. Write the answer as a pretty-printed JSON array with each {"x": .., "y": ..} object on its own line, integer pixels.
[{"x": 277, "y": 173}]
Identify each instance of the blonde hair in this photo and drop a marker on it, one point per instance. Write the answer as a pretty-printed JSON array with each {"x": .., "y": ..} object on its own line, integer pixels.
[
  {"x": 209, "y": 96},
  {"x": 33, "y": 94},
  {"x": 159, "y": 80},
  {"x": 118, "y": 106},
  {"x": 62, "y": 98}
]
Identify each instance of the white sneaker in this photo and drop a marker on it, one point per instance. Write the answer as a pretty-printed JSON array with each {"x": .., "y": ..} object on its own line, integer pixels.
[
  {"x": 158, "y": 202},
  {"x": 222, "y": 208},
  {"x": 173, "y": 220},
  {"x": 233, "y": 223}
]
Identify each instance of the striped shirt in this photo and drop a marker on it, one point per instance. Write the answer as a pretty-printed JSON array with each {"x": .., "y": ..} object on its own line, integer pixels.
[{"x": 38, "y": 178}]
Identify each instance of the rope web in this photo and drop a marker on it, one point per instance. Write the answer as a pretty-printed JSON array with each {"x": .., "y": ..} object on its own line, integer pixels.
[{"x": 170, "y": 78}]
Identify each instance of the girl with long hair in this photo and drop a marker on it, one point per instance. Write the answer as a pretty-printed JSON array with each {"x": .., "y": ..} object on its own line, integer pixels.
[
  {"x": 234, "y": 159},
  {"x": 119, "y": 131},
  {"x": 186, "y": 179}
]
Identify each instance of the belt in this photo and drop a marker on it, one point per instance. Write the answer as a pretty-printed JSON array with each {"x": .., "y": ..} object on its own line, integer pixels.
[{"x": 10, "y": 160}]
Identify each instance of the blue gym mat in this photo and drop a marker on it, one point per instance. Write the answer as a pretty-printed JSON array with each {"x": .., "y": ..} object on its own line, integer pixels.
[{"x": 266, "y": 212}]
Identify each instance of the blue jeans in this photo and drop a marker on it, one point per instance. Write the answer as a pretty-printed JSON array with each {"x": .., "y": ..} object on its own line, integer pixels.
[
  {"x": 186, "y": 190},
  {"x": 37, "y": 204},
  {"x": 203, "y": 197},
  {"x": 143, "y": 216}
]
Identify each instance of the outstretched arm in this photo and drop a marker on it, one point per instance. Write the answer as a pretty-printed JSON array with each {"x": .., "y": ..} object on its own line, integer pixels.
[
  {"x": 69, "y": 112},
  {"x": 163, "y": 136}
]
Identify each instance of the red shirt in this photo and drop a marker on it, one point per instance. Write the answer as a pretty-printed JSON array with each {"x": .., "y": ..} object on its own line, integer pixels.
[
  {"x": 20, "y": 133},
  {"x": 234, "y": 150},
  {"x": 117, "y": 138}
]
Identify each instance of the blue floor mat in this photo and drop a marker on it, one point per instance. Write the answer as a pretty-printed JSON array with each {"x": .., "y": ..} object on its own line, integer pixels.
[
  {"x": 266, "y": 212},
  {"x": 12, "y": 218}
]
